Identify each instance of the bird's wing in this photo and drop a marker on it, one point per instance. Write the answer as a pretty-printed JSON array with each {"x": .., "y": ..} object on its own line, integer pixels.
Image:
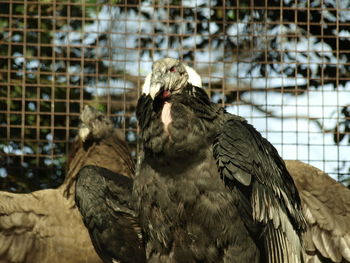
[
  {"x": 103, "y": 198},
  {"x": 41, "y": 227},
  {"x": 249, "y": 162},
  {"x": 326, "y": 206},
  {"x": 19, "y": 222}
]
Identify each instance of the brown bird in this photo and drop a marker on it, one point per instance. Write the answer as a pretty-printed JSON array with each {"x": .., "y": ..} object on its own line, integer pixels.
[
  {"x": 45, "y": 226},
  {"x": 326, "y": 207},
  {"x": 102, "y": 195}
]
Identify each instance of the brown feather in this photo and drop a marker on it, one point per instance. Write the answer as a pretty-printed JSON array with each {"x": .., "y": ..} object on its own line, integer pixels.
[
  {"x": 326, "y": 207},
  {"x": 45, "y": 226}
]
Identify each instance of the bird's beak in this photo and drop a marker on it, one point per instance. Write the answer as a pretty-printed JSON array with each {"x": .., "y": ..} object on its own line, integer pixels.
[
  {"x": 163, "y": 92},
  {"x": 156, "y": 89},
  {"x": 158, "y": 86},
  {"x": 84, "y": 133}
]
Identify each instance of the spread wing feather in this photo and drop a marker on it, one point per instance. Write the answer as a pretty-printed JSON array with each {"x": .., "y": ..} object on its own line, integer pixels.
[
  {"x": 248, "y": 160},
  {"x": 326, "y": 206},
  {"x": 17, "y": 223},
  {"x": 33, "y": 227}
]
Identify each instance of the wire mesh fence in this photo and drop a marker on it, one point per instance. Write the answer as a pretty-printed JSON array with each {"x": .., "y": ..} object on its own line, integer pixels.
[{"x": 283, "y": 65}]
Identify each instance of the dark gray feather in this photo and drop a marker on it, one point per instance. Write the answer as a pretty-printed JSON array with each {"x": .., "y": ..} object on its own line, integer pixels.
[{"x": 103, "y": 198}]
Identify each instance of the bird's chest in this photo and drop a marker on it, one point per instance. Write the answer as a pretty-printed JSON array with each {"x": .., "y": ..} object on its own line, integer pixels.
[
  {"x": 176, "y": 131},
  {"x": 189, "y": 211},
  {"x": 166, "y": 116}
]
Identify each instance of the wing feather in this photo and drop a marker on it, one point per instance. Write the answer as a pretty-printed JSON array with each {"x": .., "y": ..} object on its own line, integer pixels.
[
  {"x": 17, "y": 226},
  {"x": 245, "y": 158},
  {"x": 104, "y": 200},
  {"x": 326, "y": 206},
  {"x": 36, "y": 228}
]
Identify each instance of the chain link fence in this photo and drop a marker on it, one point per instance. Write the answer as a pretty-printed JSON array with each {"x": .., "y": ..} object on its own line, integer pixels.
[{"x": 283, "y": 65}]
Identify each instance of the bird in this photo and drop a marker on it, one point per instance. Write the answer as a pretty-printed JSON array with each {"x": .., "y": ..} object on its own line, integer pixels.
[
  {"x": 208, "y": 187},
  {"x": 103, "y": 189},
  {"x": 45, "y": 226},
  {"x": 326, "y": 207}
]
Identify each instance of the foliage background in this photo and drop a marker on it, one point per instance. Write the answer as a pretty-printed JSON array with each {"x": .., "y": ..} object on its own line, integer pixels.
[{"x": 284, "y": 65}]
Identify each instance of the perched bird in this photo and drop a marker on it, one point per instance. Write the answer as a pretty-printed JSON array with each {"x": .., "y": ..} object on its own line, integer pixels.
[
  {"x": 208, "y": 186},
  {"x": 103, "y": 196},
  {"x": 45, "y": 226},
  {"x": 326, "y": 207}
]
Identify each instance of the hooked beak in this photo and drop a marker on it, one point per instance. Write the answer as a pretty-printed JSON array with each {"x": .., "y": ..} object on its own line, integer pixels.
[
  {"x": 156, "y": 89},
  {"x": 160, "y": 94}
]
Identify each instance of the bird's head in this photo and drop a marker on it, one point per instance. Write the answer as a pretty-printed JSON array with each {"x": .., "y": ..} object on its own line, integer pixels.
[
  {"x": 169, "y": 76},
  {"x": 94, "y": 124}
]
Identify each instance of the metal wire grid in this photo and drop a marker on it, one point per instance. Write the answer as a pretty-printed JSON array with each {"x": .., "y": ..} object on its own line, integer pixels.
[{"x": 57, "y": 56}]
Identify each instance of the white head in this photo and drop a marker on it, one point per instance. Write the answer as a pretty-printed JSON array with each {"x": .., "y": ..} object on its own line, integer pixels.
[{"x": 171, "y": 75}]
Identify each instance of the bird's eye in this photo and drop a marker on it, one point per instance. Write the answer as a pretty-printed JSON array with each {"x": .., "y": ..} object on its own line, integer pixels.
[{"x": 172, "y": 69}]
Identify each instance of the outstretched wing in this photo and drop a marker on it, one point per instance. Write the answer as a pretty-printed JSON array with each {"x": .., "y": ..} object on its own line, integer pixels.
[
  {"x": 249, "y": 162},
  {"x": 326, "y": 206},
  {"x": 18, "y": 223},
  {"x": 103, "y": 198},
  {"x": 34, "y": 227}
]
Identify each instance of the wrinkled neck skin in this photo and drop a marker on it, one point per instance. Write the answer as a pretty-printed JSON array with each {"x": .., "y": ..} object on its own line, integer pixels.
[{"x": 193, "y": 126}]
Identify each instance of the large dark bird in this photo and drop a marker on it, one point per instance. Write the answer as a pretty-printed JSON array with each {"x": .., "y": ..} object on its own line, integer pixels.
[
  {"x": 209, "y": 187},
  {"x": 45, "y": 226},
  {"x": 104, "y": 195},
  {"x": 326, "y": 207}
]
